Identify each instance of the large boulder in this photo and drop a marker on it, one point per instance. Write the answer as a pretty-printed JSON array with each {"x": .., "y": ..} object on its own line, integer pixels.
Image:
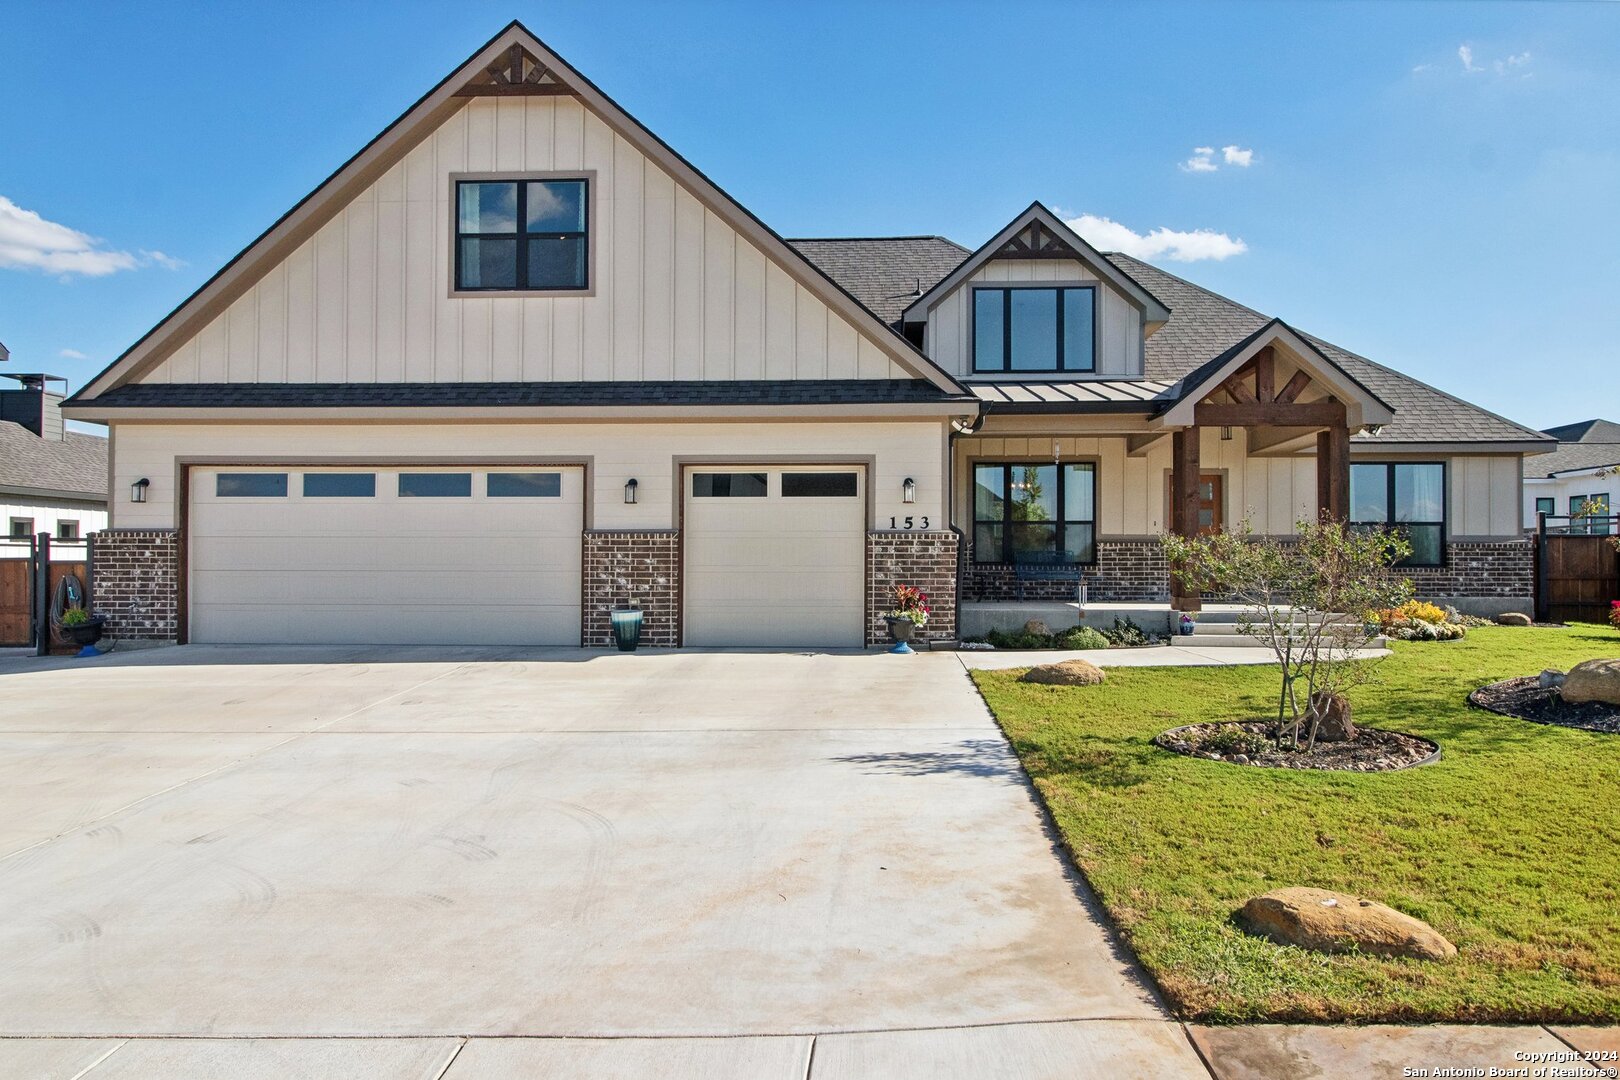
[
  {"x": 1513, "y": 618},
  {"x": 1065, "y": 673},
  {"x": 1336, "y": 922},
  {"x": 1334, "y": 723},
  {"x": 1593, "y": 680},
  {"x": 1037, "y": 628}
]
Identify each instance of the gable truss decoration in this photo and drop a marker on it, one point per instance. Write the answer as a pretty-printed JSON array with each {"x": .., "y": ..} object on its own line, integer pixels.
[
  {"x": 1038, "y": 242},
  {"x": 517, "y": 73}
]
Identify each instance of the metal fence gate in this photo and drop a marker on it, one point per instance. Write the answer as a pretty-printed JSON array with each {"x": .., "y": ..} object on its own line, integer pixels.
[{"x": 30, "y": 568}]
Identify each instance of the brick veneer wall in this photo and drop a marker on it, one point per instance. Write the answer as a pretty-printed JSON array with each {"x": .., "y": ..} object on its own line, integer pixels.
[
  {"x": 1482, "y": 570},
  {"x": 135, "y": 582},
  {"x": 1126, "y": 570},
  {"x": 928, "y": 560},
  {"x": 645, "y": 566}
]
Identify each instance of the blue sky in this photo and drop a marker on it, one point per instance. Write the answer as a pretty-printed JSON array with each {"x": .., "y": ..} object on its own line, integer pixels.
[{"x": 1432, "y": 185}]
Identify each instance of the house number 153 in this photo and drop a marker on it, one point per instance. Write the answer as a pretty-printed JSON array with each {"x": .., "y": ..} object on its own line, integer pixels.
[{"x": 907, "y": 523}]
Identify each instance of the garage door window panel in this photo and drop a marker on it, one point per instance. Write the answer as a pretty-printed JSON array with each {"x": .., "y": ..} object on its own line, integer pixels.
[
  {"x": 547, "y": 485},
  {"x": 820, "y": 485},
  {"x": 250, "y": 486},
  {"x": 340, "y": 485},
  {"x": 738, "y": 485},
  {"x": 435, "y": 485}
]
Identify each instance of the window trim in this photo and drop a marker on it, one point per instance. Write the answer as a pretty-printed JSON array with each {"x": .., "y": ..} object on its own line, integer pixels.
[
  {"x": 63, "y": 522},
  {"x": 26, "y": 534},
  {"x": 518, "y": 175},
  {"x": 1390, "y": 524},
  {"x": 1007, "y": 288},
  {"x": 1007, "y": 464},
  {"x": 1552, "y": 505}
]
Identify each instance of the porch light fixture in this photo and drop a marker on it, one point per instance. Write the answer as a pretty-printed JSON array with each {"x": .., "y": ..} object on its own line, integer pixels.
[
  {"x": 137, "y": 490},
  {"x": 908, "y": 491},
  {"x": 1374, "y": 429},
  {"x": 630, "y": 492}
]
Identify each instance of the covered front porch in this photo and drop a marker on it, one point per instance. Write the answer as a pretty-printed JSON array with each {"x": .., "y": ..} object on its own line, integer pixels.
[{"x": 1080, "y": 480}]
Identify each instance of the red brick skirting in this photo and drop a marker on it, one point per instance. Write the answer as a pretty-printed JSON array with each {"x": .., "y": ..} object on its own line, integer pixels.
[
  {"x": 643, "y": 566},
  {"x": 927, "y": 560},
  {"x": 135, "y": 582}
]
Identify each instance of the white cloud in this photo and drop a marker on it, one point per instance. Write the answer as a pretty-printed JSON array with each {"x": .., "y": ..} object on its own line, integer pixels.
[
  {"x": 1234, "y": 156},
  {"x": 30, "y": 242},
  {"x": 1466, "y": 55},
  {"x": 1175, "y": 245},
  {"x": 1201, "y": 161},
  {"x": 71, "y": 354},
  {"x": 1507, "y": 65}
]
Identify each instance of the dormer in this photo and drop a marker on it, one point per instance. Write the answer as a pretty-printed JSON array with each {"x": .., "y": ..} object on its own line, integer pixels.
[{"x": 1036, "y": 302}]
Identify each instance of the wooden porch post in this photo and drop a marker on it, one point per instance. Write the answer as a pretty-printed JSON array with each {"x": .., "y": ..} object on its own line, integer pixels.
[
  {"x": 1333, "y": 473},
  {"x": 1184, "y": 470}
]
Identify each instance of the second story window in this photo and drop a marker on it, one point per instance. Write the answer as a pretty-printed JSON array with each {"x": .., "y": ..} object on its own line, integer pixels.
[
  {"x": 522, "y": 235},
  {"x": 1034, "y": 329}
]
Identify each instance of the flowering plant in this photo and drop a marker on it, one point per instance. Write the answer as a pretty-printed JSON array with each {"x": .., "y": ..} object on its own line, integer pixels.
[
  {"x": 910, "y": 603},
  {"x": 1614, "y": 614}
]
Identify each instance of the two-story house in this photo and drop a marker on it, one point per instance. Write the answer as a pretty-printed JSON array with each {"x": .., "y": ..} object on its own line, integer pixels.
[{"x": 518, "y": 361}]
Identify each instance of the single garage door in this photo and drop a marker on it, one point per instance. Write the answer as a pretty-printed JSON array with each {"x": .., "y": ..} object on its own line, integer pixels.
[
  {"x": 407, "y": 555},
  {"x": 775, "y": 556}
]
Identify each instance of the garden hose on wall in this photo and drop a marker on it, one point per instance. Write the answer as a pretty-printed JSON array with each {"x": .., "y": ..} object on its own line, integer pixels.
[{"x": 69, "y": 593}]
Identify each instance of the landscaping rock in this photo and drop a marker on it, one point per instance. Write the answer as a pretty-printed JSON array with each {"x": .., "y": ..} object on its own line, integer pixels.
[
  {"x": 1593, "y": 680},
  {"x": 1065, "y": 673},
  {"x": 1513, "y": 618},
  {"x": 1335, "y": 724},
  {"x": 1037, "y": 628},
  {"x": 1334, "y": 922},
  {"x": 1550, "y": 679}
]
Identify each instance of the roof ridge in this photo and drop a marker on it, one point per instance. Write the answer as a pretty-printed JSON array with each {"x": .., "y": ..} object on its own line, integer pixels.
[{"x": 872, "y": 239}]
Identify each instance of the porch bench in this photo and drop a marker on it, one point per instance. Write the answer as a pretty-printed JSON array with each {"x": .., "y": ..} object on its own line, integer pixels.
[{"x": 1047, "y": 566}]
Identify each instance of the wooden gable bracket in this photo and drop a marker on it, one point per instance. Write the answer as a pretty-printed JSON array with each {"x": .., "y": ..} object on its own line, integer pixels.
[
  {"x": 1036, "y": 242},
  {"x": 1262, "y": 370},
  {"x": 516, "y": 73},
  {"x": 1139, "y": 445}
]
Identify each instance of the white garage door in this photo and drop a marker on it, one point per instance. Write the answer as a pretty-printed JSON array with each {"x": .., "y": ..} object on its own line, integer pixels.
[
  {"x": 487, "y": 556},
  {"x": 775, "y": 556}
]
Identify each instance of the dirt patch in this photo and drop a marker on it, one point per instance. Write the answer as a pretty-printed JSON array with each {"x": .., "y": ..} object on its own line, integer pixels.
[
  {"x": 1525, "y": 699},
  {"x": 1249, "y": 742}
]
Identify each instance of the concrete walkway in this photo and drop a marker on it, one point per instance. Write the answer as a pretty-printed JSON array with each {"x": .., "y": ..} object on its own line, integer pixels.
[
  {"x": 1145, "y": 656},
  {"x": 486, "y": 863}
]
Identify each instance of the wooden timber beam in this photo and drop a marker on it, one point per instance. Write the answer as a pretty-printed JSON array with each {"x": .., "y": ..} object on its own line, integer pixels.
[
  {"x": 1139, "y": 445},
  {"x": 1296, "y": 386},
  {"x": 1315, "y": 414},
  {"x": 1265, "y": 375},
  {"x": 1184, "y": 470},
  {"x": 1333, "y": 474},
  {"x": 514, "y": 90}
]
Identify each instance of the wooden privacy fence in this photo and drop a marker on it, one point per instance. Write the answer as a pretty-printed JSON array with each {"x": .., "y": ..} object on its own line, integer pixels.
[
  {"x": 1577, "y": 568},
  {"x": 30, "y": 568}
]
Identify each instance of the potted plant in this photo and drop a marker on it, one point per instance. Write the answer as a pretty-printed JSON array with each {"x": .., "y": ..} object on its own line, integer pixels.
[
  {"x": 626, "y": 621},
  {"x": 909, "y": 614},
  {"x": 82, "y": 628}
]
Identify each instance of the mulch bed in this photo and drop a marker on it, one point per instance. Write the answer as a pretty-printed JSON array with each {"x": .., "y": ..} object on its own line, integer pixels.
[
  {"x": 1373, "y": 749},
  {"x": 1525, "y": 699}
]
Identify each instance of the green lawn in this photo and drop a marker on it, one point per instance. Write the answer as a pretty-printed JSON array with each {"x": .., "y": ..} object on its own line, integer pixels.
[{"x": 1510, "y": 845}]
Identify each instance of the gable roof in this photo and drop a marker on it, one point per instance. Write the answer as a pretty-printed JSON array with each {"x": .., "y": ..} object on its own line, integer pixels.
[
  {"x": 885, "y": 273},
  {"x": 1573, "y": 457},
  {"x": 1587, "y": 431},
  {"x": 533, "y": 67},
  {"x": 1062, "y": 238},
  {"x": 74, "y": 466}
]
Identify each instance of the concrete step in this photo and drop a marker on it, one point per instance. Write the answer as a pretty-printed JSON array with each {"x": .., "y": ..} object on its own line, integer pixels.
[{"x": 1237, "y": 641}]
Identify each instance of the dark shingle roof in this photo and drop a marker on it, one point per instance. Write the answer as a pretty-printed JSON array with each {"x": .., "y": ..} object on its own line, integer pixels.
[
  {"x": 1572, "y": 456},
  {"x": 548, "y": 394},
  {"x": 1203, "y": 324},
  {"x": 1587, "y": 431},
  {"x": 75, "y": 465},
  {"x": 885, "y": 273}
]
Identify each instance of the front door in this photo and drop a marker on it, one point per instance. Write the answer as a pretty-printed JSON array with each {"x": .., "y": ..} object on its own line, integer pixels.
[{"x": 1211, "y": 500}]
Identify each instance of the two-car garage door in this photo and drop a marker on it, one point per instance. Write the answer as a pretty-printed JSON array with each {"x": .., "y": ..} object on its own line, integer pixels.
[{"x": 386, "y": 555}]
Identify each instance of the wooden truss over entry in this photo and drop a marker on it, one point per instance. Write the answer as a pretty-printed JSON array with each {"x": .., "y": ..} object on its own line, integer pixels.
[{"x": 517, "y": 73}]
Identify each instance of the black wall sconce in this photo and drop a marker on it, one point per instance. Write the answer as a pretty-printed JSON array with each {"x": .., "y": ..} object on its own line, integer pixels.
[
  {"x": 630, "y": 492},
  {"x": 137, "y": 490},
  {"x": 908, "y": 491}
]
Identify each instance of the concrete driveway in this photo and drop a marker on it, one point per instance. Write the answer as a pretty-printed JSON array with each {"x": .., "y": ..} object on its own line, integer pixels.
[{"x": 389, "y": 862}]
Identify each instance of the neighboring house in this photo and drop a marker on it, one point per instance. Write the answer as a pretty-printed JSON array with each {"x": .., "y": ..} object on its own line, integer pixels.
[
  {"x": 51, "y": 480},
  {"x": 1582, "y": 474},
  {"x": 518, "y": 361}
]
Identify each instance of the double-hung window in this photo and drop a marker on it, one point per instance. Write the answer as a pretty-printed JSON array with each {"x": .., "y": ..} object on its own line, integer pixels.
[
  {"x": 1023, "y": 328},
  {"x": 522, "y": 235},
  {"x": 1405, "y": 497},
  {"x": 1034, "y": 508}
]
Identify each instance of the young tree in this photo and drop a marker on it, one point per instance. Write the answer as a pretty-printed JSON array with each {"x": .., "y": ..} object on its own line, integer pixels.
[{"x": 1311, "y": 602}]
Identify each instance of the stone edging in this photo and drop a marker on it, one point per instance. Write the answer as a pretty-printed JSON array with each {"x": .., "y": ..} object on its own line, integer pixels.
[{"x": 1429, "y": 760}]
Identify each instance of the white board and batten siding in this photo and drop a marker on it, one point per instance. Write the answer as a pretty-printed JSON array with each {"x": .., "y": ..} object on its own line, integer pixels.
[
  {"x": 949, "y": 335},
  {"x": 677, "y": 293},
  {"x": 384, "y": 568}
]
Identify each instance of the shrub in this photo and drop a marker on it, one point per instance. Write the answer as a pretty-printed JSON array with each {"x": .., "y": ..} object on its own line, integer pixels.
[
  {"x": 1614, "y": 614},
  {"x": 1125, "y": 633},
  {"x": 1413, "y": 611},
  {"x": 1235, "y": 740},
  {"x": 76, "y": 616},
  {"x": 1082, "y": 637}
]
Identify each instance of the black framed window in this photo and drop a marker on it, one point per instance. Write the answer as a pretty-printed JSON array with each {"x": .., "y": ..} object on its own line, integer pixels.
[
  {"x": 522, "y": 235},
  {"x": 1036, "y": 508},
  {"x": 1404, "y": 497},
  {"x": 1593, "y": 523},
  {"x": 1547, "y": 506},
  {"x": 1035, "y": 328}
]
